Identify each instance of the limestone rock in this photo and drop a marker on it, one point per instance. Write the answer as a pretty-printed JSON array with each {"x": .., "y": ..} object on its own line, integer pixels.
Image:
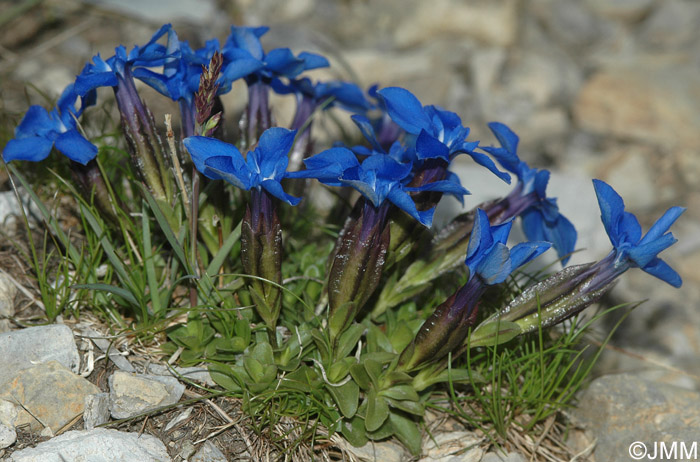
[{"x": 133, "y": 394}]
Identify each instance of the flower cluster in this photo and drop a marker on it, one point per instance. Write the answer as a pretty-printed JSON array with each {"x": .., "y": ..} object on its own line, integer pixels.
[{"x": 391, "y": 184}]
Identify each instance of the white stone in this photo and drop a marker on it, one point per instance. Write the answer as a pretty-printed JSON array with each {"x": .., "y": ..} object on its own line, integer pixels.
[
  {"x": 459, "y": 446},
  {"x": 208, "y": 453},
  {"x": 8, "y": 436},
  {"x": 133, "y": 394},
  {"x": 96, "y": 410},
  {"x": 98, "y": 445}
]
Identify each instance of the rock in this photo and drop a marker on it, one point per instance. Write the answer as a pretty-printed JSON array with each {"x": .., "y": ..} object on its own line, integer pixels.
[
  {"x": 98, "y": 445},
  {"x": 629, "y": 168},
  {"x": 8, "y": 413},
  {"x": 8, "y": 436},
  {"x": 163, "y": 11},
  {"x": 196, "y": 374},
  {"x": 622, "y": 409},
  {"x": 50, "y": 395},
  {"x": 209, "y": 453},
  {"x": 107, "y": 348},
  {"x": 22, "y": 349},
  {"x": 8, "y": 290},
  {"x": 458, "y": 446},
  {"x": 621, "y": 10},
  {"x": 96, "y": 410},
  {"x": 652, "y": 102},
  {"x": 490, "y": 22},
  {"x": 672, "y": 25},
  {"x": 134, "y": 394},
  {"x": 499, "y": 457},
  {"x": 568, "y": 21},
  {"x": 386, "y": 451}
]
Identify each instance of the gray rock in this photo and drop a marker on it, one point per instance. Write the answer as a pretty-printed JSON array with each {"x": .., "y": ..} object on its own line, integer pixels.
[
  {"x": 622, "y": 409},
  {"x": 8, "y": 290},
  {"x": 50, "y": 395},
  {"x": 134, "y": 394},
  {"x": 163, "y": 11},
  {"x": 22, "y": 349},
  {"x": 569, "y": 22},
  {"x": 208, "y": 453},
  {"x": 96, "y": 410},
  {"x": 621, "y": 10},
  {"x": 499, "y": 457},
  {"x": 107, "y": 348},
  {"x": 385, "y": 451},
  {"x": 672, "y": 25},
  {"x": 652, "y": 102},
  {"x": 98, "y": 445},
  {"x": 196, "y": 374},
  {"x": 8, "y": 436},
  {"x": 456, "y": 446}
]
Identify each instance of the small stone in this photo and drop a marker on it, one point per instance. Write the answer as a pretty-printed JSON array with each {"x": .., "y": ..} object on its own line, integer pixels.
[
  {"x": 196, "y": 374},
  {"x": 499, "y": 457},
  {"x": 385, "y": 451},
  {"x": 98, "y": 445},
  {"x": 492, "y": 22},
  {"x": 96, "y": 410},
  {"x": 8, "y": 436},
  {"x": 8, "y": 413},
  {"x": 459, "y": 446},
  {"x": 8, "y": 290},
  {"x": 622, "y": 409},
  {"x": 621, "y": 10},
  {"x": 672, "y": 25},
  {"x": 208, "y": 453},
  {"x": 24, "y": 348},
  {"x": 50, "y": 395},
  {"x": 186, "y": 450},
  {"x": 134, "y": 394}
]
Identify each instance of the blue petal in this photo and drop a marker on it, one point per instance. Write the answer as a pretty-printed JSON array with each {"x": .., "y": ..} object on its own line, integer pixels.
[
  {"x": 403, "y": 201},
  {"x": 405, "y": 109},
  {"x": 642, "y": 254},
  {"x": 611, "y": 209},
  {"x": 222, "y": 168},
  {"x": 240, "y": 68},
  {"x": 484, "y": 160},
  {"x": 495, "y": 267},
  {"x": 527, "y": 251},
  {"x": 661, "y": 225},
  {"x": 429, "y": 147},
  {"x": 275, "y": 188},
  {"x": 313, "y": 60},
  {"x": 76, "y": 147},
  {"x": 663, "y": 271},
  {"x": 283, "y": 62},
  {"x": 33, "y": 148},
  {"x": 562, "y": 234},
  {"x": 201, "y": 148},
  {"x": 36, "y": 121},
  {"x": 87, "y": 82},
  {"x": 367, "y": 131},
  {"x": 505, "y": 136}
]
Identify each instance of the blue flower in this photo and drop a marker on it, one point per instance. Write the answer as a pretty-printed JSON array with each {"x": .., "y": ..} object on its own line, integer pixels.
[
  {"x": 101, "y": 73},
  {"x": 540, "y": 215},
  {"x": 378, "y": 178},
  {"x": 630, "y": 248},
  {"x": 344, "y": 94},
  {"x": 40, "y": 130},
  {"x": 488, "y": 256},
  {"x": 243, "y": 47},
  {"x": 438, "y": 133},
  {"x": 264, "y": 167}
]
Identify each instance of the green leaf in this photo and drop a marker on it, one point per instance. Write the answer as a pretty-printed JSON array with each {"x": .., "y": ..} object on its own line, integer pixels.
[
  {"x": 175, "y": 244},
  {"x": 359, "y": 374},
  {"x": 412, "y": 407},
  {"x": 401, "y": 392},
  {"x": 347, "y": 397},
  {"x": 354, "y": 431},
  {"x": 374, "y": 370},
  {"x": 224, "y": 376},
  {"x": 493, "y": 333},
  {"x": 377, "y": 340},
  {"x": 153, "y": 285},
  {"x": 224, "y": 251},
  {"x": 377, "y": 411},
  {"x": 348, "y": 340},
  {"x": 407, "y": 431},
  {"x": 119, "y": 291}
]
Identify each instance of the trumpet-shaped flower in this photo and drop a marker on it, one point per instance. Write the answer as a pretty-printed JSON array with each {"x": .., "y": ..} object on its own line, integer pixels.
[
  {"x": 488, "y": 257},
  {"x": 264, "y": 167},
  {"x": 630, "y": 248},
  {"x": 541, "y": 219},
  {"x": 378, "y": 178},
  {"x": 243, "y": 49},
  {"x": 40, "y": 130},
  {"x": 438, "y": 133}
]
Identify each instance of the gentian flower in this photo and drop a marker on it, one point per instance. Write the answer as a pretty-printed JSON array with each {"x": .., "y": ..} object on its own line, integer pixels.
[
  {"x": 574, "y": 288},
  {"x": 243, "y": 49},
  {"x": 541, "y": 219},
  {"x": 264, "y": 167},
  {"x": 630, "y": 249},
  {"x": 145, "y": 145},
  {"x": 41, "y": 130},
  {"x": 490, "y": 262}
]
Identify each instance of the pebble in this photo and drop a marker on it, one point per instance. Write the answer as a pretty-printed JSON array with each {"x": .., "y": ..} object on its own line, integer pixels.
[
  {"x": 50, "y": 395},
  {"x": 458, "y": 446},
  {"x": 24, "y": 348},
  {"x": 622, "y": 409},
  {"x": 96, "y": 410},
  {"x": 98, "y": 445},
  {"x": 134, "y": 394},
  {"x": 208, "y": 453},
  {"x": 8, "y": 290},
  {"x": 385, "y": 451}
]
